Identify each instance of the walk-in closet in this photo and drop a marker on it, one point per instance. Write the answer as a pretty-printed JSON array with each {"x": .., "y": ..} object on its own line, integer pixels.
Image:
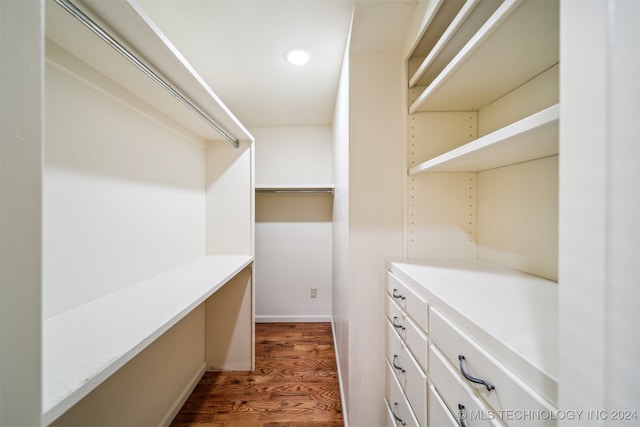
[{"x": 448, "y": 190}]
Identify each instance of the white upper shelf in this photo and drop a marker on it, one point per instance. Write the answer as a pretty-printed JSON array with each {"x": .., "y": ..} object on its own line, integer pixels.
[
  {"x": 519, "y": 41},
  {"x": 533, "y": 137},
  {"x": 460, "y": 27},
  {"x": 85, "y": 345},
  {"x": 127, "y": 22}
]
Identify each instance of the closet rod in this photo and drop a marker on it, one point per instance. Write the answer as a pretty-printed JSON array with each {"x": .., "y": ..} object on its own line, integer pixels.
[
  {"x": 111, "y": 41},
  {"x": 294, "y": 190}
]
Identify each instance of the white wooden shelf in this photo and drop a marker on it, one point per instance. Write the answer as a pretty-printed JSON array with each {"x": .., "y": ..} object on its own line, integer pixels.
[
  {"x": 85, "y": 345},
  {"x": 296, "y": 188},
  {"x": 531, "y": 138},
  {"x": 512, "y": 314},
  {"x": 518, "y": 42},
  {"x": 460, "y": 28},
  {"x": 127, "y": 21}
]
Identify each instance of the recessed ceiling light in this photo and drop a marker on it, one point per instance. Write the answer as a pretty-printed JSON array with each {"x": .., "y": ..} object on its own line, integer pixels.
[{"x": 298, "y": 56}]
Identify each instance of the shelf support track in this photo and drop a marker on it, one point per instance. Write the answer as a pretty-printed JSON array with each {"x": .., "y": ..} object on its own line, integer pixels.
[{"x": 111, "y": 41}]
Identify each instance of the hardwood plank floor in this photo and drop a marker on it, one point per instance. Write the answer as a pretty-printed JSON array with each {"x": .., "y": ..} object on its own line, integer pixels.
[{"x": 295, "y": 384}]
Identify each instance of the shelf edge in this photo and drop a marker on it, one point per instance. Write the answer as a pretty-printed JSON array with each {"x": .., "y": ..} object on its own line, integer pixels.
[{"x": 520, "y": 127}]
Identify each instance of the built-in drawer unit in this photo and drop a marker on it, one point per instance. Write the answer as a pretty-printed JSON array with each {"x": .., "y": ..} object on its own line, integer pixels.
[
  {"x": 499, "y": 387},
  {"x": 409, "y": 374},
  {"x": 407, "y": 299},
  {"x": 409, "y": 331},
  {"x": 486, "y": 356},
  {"x": 456, "y": 394},
  {"x": 439, "y": 415},
  {"x": 397, "y": 402}
]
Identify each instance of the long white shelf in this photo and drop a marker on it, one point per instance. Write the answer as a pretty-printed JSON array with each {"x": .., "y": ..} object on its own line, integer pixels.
[
  {"x": 531, "y": 138},
  {"x": 519, "y": 41},
  {"x": 133, "y": 28},
  {"x": 512, "y": 314},
  {"x": 85, "y": 345}
]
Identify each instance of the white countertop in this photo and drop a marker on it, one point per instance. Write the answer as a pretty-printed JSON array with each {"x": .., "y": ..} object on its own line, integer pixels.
[
  {"x": 511, "y": 314},
  {"x": 85, "y": 345}
]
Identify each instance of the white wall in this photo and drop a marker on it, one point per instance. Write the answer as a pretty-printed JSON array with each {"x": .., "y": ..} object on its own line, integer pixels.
[
  {"x": 123, "y": 194},
  {"x": 368, "y": 215},
  {"x": 599, "y": 272},
  {"x": 293, "y": 231},
  {"x": 293, "y": 155},
  {"x": 21, "y": 136}
]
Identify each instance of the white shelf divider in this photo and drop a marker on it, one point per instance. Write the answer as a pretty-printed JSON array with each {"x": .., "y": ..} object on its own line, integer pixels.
[
  {"x": 531, "y": 138},
  {"x": 521, "y": 37},
  {"x": 83, "y": 346}
]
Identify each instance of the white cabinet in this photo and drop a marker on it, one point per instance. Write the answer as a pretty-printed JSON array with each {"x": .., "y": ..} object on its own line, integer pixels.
[
  {"x": 492, "y": 342},
  {"x": 481, "y": 220},
  {"x": 405, "y": 354}
]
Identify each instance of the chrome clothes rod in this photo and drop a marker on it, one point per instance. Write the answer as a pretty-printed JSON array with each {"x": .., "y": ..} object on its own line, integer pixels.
[
  {"x": 294, "y": 190},
  {"x": 111, "y": 41}
]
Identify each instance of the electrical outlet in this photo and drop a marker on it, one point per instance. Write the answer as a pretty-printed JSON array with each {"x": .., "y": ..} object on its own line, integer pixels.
[{"x": 314, "y": 293}]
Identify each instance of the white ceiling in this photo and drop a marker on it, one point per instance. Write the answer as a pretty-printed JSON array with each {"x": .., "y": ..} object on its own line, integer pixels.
[{"x": 238, "y": 47}]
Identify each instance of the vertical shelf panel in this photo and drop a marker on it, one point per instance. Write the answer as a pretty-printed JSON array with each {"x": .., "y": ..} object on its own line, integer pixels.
[{"x": 442, "y": 207}]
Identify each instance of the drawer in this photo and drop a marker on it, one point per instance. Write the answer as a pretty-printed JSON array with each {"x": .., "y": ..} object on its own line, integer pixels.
[
  {"x": 409, "y": 374},
  {"x": 408, "y": 300},
  {"x": 397, "y": 402},
  {"x": 455, "y": 393},
  {"x": 439, "y": 415},
  {"x": 390, "y": 421},
  {"x": 510, "y": 393},
  {"x": 410, "y": 333}
]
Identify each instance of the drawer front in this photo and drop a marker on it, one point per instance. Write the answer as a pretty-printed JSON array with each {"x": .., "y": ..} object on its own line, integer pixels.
[
  {"x": 439, "y": 415},
  {"x": 397, "y": 402},
  {"x": 410, "y": 333},
  {"x": 408, "y": 373},
  {"x": 510, "y": 393},
  {"x": 408, "y": 300},
  {"x": 390, "y": 420},
  {"x": 455, "y": 392}
]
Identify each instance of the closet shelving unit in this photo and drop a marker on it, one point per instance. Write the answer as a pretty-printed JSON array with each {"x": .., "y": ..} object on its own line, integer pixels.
[
  {"x": 515, "y": 37},
  {"x": 135, "y": 31},
  {"x": 483, "y": 116},
  {"x": 88, "y": 343},
  {"x": 533, "y": 137}
]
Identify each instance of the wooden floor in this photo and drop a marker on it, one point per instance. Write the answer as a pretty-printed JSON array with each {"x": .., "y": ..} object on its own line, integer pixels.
[{"x": 295, "y": 384}]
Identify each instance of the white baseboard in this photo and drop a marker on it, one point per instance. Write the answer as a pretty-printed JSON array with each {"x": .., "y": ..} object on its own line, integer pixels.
[
  {"x": 292, "y": 318},
  {"x": 342, "y": 398},
  {"x": 177, "y": 405}
]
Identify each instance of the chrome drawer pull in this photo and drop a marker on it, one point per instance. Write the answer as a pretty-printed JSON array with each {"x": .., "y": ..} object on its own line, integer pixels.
[
  {"x": 488, "y": 385},
  {"x": 397, "y": 326},
  {"x": 395, "y": 357},
  {"x": 397, "y": 295},
  {"x": 396, "y": 416},
  {"x": 462, "y": 415}
]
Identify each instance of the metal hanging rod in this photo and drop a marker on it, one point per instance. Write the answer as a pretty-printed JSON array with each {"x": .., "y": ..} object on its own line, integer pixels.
[
  {"x": 111, "y": 41},
  {"x": 295, "y": 190}
]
